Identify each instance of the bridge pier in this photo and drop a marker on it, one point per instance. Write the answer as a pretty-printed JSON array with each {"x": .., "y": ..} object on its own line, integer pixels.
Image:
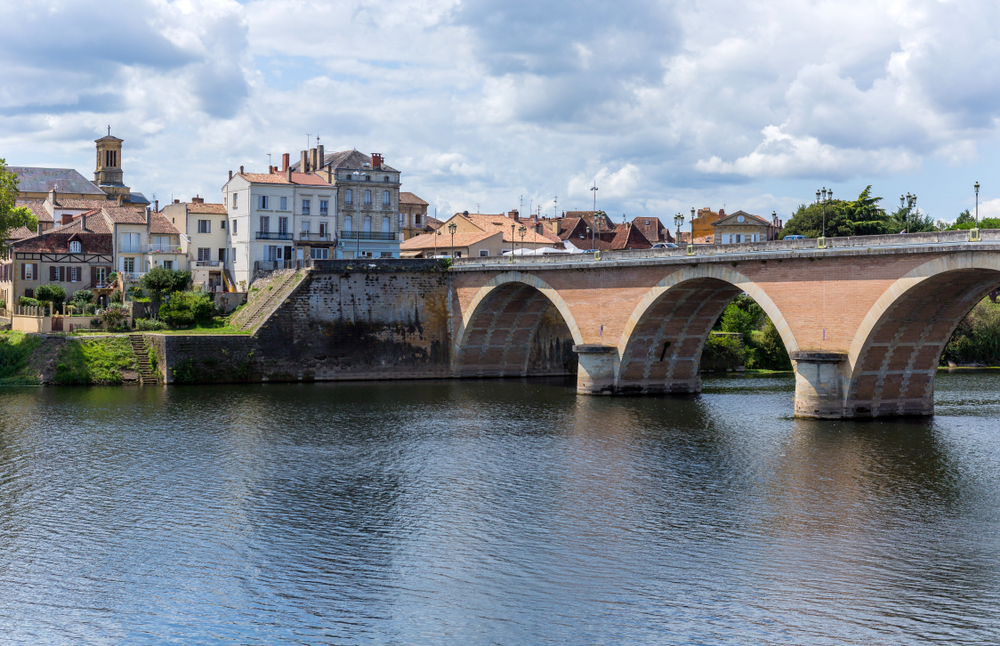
[
  {"x": 821, "y": 381},
  {"x": 596, "y": 372}
]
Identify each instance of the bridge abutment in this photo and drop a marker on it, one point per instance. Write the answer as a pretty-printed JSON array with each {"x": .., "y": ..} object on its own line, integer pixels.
[
  {"x": 596, "y": 368},
  {"x": 821, "y": 381}
]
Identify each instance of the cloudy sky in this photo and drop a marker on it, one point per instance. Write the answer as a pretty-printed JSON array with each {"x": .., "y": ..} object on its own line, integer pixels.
[{"x": 750, "y": 104}]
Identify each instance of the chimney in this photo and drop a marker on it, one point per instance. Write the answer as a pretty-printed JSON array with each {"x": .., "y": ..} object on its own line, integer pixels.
[
  {"x": 230, "y": 173},
  {"x": 147, "y": 216},
  {"x": 197, "y": 200},
  {"x": 376, "y": 161},
  {"x": 156, "y": 205},
  {"x": 83, "y": 221},
  {"x": 66, "y": 218},
  {"x": 514, "y": 215},
  {"x": 241, "y": 170},
  {"x": 304, "y": 161},
  {"x": 176, "y": 201},
  {"x": 284, "y": 162},
  {"x": 329, "y": 175},
  {"x": 312, "y": 160},
  {"x": 52, "y": 195},
  {"x": 288, "y": 174},
  {"x": 321, "y": 157},
  {"x": 722, "y": 213}
]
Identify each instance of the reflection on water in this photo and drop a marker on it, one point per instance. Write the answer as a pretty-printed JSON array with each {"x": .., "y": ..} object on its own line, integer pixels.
[{"x": 485, "y": 512}]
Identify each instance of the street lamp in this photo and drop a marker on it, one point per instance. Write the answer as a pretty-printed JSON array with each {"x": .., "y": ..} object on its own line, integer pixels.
[
  {"x": 823, "y": 202},
  {"x": 512, "y": 242},
  {"x": 907, "y": 203},
  {"x": 977, "y": 203},
  {"x": 451, "y": 229},
  {"x": 522, "y": 230},
  {"x": 678, "y": 223},
  {"x": 357, "y": 225},
  {"x": 594, "y": 190}
]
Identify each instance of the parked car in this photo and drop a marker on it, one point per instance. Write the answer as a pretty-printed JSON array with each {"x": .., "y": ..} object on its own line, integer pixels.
[
  {"x": 664, "y": 245},
  {"x": 794, "y": 237}
]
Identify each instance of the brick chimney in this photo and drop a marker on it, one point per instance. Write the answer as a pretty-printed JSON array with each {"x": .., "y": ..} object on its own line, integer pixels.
[
  {"x": 304, "y": 161},
  {"x": 66, "y": 218},
  {"x": 197, "y": 200},
  {"x": 514, "y": 215},
  {"x": 230, "y": 173},
  {"x": 722, "y": 213},
  {"x": 312, "y": 160},
  {"x": 288, "y": 174},
  {"x": 320, "y": 156},
  {"x": 284, "y": 162},
  {"x": 377, "y": 161},
  {"x": 241, "y": 170},
  {"x": 83, "y": 221}
]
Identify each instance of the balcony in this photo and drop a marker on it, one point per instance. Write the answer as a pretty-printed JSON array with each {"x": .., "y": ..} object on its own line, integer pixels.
[
  {"x": 161, "y": 248},
  {"x": 132, "y": 276},
  {"x": 369, "y": 235},
  {"x": 208, "y": 263},
  {"x": 269, "y": 235},
  {"x": 305, "y": 236},
  {"x": 130, "y": 248}
]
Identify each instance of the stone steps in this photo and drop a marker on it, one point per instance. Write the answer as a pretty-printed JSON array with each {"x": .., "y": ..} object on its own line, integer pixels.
[
  {"x": 272, "y": 294},
  {"x": 146, "y": 373}
]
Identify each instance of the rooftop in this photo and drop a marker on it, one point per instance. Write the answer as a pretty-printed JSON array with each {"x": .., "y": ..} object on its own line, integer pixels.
[{"x": 33, "y": 179}]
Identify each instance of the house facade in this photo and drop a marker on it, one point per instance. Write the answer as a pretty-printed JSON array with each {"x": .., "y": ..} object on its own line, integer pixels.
[
  {"x": 741, "y": 227},
  {"x": 412, "y": 215},
  {"x": 204, "y": 237}
]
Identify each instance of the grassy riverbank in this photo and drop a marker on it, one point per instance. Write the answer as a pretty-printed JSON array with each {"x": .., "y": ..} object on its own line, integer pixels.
[{"x": 30, "y": 360}]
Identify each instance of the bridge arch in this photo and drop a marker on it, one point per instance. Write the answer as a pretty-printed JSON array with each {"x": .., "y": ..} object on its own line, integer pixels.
[
  {"x": 516, "y": 325},
  {"x": 896, "y": 351},
  {"x": 661, "y": 344}
]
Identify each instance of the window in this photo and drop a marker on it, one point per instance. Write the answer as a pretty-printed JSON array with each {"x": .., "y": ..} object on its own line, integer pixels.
[
  {"x": 386, "y": 225},
  {"x": 235, "y": 199},
  {"x": 222, "y": 225},
  {"x": 204, "y": 226},
  {"x": 204, "y": 254},
  {"x": 324, "y": 228},
  {"x": 305, "y": 207},
  {"x": 385, "y": 179},
  {"x": 305, "y": 226},
  {"x": 385, "y": 198},
  {"x": 168, "y": 264},
  {"x": 261, "y": 201},
  {"x": 234, "y": 227},
  {"x": 29, "y": 292},
  {"x": 74, "y": 274},
  {"x": 160, "y": 243},
  {"x": 265, "y": 224},
  {"x": 282, "y": 225},
  {"x": 273, "y": 253},
  {"x": 74, "y": 246},
  {"x": 128, "y": 265},
  {"x": 416, "y": 219},
  {"x": 323, "y": 207},
  {"x": 385, "y": 254},
  {"x": 102, "y": 274},
  {"x": 319, "y": 254},
  {"x": 402, "y": 220},
  {"x": 348, "y": 196},
  {"x": 368, "y": 197},
  {"x": 484, "y": 252},
  {"x": 367, "y": 224},
  {"x": 284, "y": 203},
  {"x": 111, "y": 158},
  {"x": 348, "y": 223},
  {"x": 129, "y": 243},
  {"x": 222, "y": 255}
]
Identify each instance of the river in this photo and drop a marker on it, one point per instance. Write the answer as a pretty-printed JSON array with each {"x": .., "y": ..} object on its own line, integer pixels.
[{"x": 494, "y": 512}]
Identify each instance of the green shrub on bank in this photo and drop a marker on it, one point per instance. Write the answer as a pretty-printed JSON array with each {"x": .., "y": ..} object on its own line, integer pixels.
[
  {"x": 94, "y": 361},
  {"x": 722, "y": 352},
  {"x": 977, "y": 337},
  {"x": 149, "y": 325},
  {"x": 184, "y": 309},
  {"x": 763, "y": 347},
  {"x": 15, "y": 353}
]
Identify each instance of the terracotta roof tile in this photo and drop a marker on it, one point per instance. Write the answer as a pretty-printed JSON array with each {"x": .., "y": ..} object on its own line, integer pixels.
[
  {"x": 443, "y": 241},
  {"x": 265, "y": 178},
  {"x": 19, "y": 233},
  {"x": 37, "y": 207},
  {"x": 160, "y": 225},
  {"x": 406, "y": 197},
  {"x": 125, "y": 214},
  {"x": 95, "y": 238},
  {"x": 501, "y": 222},
  {"x": 217, "y": 209}
]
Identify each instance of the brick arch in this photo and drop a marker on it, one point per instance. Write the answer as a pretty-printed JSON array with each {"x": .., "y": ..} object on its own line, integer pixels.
[
  {"x": 660, "y": 347},
  {"x": 516, "y": 325},
  {"x": 896, "y": 350}
]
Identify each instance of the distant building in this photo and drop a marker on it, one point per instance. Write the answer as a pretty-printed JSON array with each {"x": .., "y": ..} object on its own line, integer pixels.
[
  {"x": 478, "y": 235},
  {"x": 701, "y": 227},
  {"x": 742, "y": 227},
  {"x": 652, "y": 229},
  {"x": 412, "y": 215},
  {"x": 205, "y": 241}
]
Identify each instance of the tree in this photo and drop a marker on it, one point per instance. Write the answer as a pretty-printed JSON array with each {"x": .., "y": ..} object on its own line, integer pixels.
[
  {"x": 83, "y": 295},
  {"x": 860, "y": 217},
  {"x": 51, "y": 293},
  {"x": 187, "y": 308},
  {"x": 11, "y": 216},
  {"x": 159, "y": 281},
  {"x": 965, "y": 216}
]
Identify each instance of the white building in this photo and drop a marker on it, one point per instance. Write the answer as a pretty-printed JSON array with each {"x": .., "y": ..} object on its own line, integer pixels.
[{"x": 277, "y": 219}]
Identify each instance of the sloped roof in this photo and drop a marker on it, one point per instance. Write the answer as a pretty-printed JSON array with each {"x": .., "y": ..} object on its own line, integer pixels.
[
  {"x": 19, "y": 233},
  {"x": 409, "y": 198},
  {"x": 302, "y": 179},
  {"x": 443, "y": 241},
  {"x": 94, "y": 238},
  {"x": 125, "y": 214},
  {"x": 349, "y": 160},
  {"x": 33, "y": 179},
  {"x": 201, "y": 207},
  {"x": 160, "y": 225},
  {"x": 95, "y": 224},
  {"x": 37, "y": 207},
  {"x": 502, "y": 223},
  {"x": 629, "y": 237},
  {"x": 731, "y": 219},
  {"x": 81, "y": 205}
]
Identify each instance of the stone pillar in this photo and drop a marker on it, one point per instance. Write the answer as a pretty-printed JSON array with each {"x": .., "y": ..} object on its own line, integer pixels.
[
  {"x": 596, "y": 372},
  {"x": 820, "y": 384}
]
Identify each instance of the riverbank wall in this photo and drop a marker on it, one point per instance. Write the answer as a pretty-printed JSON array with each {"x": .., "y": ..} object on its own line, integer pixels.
[{"x": 346, "y": 320}]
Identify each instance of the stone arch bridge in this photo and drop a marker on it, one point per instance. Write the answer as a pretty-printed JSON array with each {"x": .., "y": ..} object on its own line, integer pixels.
[{"x": 865, "y": 320}]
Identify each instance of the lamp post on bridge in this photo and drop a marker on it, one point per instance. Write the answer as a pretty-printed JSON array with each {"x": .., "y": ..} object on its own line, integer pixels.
[
  {"x": 908, "y": 202},
  {"x": 827, "y": 196},
  {"x": 976, "y": 186},
  {"x": 521, "y": 231},
  {"x": 593, "y": 216},
  {"x": 512, "y": 242},
  {"x": 678, "y": 223},
  {"x": 451, "y": 229}
]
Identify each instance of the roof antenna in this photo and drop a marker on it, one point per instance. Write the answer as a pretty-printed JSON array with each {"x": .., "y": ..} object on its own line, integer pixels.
[
  {"x": 109, "y": 130},
  {"x": 307, "y": 141}
]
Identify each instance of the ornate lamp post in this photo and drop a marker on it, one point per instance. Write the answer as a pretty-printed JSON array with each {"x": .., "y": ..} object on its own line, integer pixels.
[
  {"x": 908, "y": 202},
  {"x": 512, "y": 242},
  {"x": 521, "y": 231},
  {"x": 976, "y": 186},
  {"x": 678, "y": 223},
  {"x": 451, "y": 229},
  {"x": 827, "y": 196},
  {"x": 594, "y": 212}
]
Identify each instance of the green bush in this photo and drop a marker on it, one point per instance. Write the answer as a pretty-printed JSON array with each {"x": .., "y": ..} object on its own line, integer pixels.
[
  {"x": 149, "y": 325},
  {"x": 83, "y": 296},
  {"x": 722, "y": 352},
  {"x": 763, "y": 347},
  {"x": 26, "y": 301},
  {"x": 51, "y": 293},
  {"x": 184, "y": 309},
  {"x": 95, "y": 323},
  {"x": 94, "y": 361},
  {"x": 115, "y": 317}
]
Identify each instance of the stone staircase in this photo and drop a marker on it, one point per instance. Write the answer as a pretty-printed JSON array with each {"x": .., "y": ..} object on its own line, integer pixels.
[
  {"x": 146, "y": 373},
  {"x": 271, "y": 292}
]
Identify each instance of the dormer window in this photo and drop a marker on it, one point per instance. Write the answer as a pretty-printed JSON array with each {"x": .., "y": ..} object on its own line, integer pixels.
[{"x": 75, "y": 247}]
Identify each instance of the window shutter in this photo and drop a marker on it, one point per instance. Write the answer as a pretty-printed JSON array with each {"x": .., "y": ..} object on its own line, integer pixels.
[
  {"x": 53, "y": 274},
  {"x": 22, "y": 271}
]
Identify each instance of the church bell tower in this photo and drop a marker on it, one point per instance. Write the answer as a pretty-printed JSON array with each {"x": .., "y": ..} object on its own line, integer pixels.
[{"x": 108, "y": 175}]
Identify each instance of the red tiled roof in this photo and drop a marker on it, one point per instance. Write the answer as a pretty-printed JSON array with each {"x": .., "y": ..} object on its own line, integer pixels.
[
  {"x": 199, "y": 207},
  {"x": 301, "y": 179},
  {"x": 37, "y": 208},
  {"x": 406, "y": 197},
  {"x": 95, "y": 238},
  {"x": 444, "y": 241},
  {"x": 125, "y": 214},
  {"x": 160, "y": 225},
  {"x": 19, "y": 233},
  {"x": 501, "y": 222}
]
